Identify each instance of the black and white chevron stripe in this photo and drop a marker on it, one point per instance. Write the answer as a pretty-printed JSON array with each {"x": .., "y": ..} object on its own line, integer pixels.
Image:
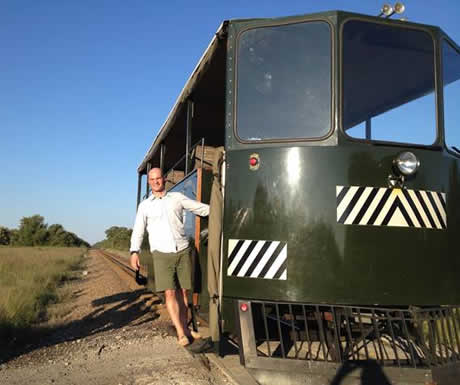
[
  {"x": 257, "y": 259},
  {"x": 382, "y": 206}
]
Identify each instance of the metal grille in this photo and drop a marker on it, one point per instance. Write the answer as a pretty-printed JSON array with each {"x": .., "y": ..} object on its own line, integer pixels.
[{"x": 398, "y": 337}]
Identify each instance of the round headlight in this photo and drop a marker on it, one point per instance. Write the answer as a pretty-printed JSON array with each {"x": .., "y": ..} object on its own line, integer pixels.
[{"x": 407, "y": 163}]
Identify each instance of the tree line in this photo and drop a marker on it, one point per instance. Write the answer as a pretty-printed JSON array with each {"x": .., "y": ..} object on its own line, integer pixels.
[
  {"x": 119, "y": 238},
  {"x": 33, "y": 231}
]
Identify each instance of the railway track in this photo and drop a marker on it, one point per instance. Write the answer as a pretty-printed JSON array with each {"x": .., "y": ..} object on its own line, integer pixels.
[
  {"x": 133, "y": 279},
  {"x": 229, "y": 366},
  {"x": 122, "y": 263}
]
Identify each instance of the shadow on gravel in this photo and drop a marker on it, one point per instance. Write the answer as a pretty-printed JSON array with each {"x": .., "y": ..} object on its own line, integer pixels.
[{"x": 110, "y": 313}]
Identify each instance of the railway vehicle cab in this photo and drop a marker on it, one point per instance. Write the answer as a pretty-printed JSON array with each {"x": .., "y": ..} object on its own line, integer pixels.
[{"x": 340, "y": 188}]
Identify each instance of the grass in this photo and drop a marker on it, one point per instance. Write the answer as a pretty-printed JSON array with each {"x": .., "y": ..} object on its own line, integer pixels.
[{"x": 29, "y": 282}]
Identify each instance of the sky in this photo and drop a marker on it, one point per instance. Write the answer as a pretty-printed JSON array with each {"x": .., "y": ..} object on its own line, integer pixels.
[{"x": 85, "y": 85}]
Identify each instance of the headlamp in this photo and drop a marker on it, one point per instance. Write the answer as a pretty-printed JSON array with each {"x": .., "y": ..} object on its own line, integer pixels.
[{"x": 406, "y": 163}]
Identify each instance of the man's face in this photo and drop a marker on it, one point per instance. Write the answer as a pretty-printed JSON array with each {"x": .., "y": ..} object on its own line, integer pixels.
[{"x": 156, "y": 180}]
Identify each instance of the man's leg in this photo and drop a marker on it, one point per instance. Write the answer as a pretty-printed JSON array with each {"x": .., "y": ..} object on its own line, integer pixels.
[
  {"x": 175, "y": 313},
  {"x": 184, "y": 314},
  {"x": 183, "y": 306},
  {"x": 164, "y": 266},
  {"x": 184, "y": 276}
]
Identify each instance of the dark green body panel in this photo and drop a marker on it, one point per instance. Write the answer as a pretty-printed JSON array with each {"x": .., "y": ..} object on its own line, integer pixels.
[
  {"x": 330, "y": 262},
  {"x": 201, "y": 263}
]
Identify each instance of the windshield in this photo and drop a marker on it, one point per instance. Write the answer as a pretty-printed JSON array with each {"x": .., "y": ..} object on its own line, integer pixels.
[
  {"x": 284, "y": 82},
  {"x": 451, "y": 76},
  {"x": 388, "y": 83}
]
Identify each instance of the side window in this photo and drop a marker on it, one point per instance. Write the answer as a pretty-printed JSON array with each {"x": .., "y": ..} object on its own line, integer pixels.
[{"x": 451, "y": 79}]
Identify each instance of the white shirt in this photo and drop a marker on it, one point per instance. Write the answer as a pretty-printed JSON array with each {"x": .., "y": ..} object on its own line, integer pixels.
[{"x": 164, "y": 219}]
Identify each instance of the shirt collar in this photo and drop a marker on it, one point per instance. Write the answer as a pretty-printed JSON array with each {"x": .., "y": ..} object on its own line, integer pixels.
[{"x": 153, "y": 197}]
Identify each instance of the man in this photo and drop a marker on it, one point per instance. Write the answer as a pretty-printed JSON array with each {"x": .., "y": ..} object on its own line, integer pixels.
[{"x": 163, "y": 216}]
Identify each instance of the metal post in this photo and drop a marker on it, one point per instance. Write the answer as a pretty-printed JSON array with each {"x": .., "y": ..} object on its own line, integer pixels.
[
  {"x": 147, "y": 181},
  {"x": 162, "y": 157},
  {"x": 139, "y": 187},
  {"x": 188, "y": 135},
  {"x": 368, "y": 129}
]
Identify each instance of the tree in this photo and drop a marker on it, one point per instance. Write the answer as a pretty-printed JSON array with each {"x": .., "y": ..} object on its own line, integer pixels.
[
  {"x": 32, "y": 231},
  {"x": 14, "y": 237},
  {"x": 58, "y": 236},
  {"x": 118, "y": 237},
  {"x": 5, "y": 236}
]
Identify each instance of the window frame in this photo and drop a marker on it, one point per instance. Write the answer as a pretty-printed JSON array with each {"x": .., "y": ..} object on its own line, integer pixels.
[
  {"x": 332, "y": 84},
  {"x": 442, "y": 40},
  {"x": 436, "y": 77}
]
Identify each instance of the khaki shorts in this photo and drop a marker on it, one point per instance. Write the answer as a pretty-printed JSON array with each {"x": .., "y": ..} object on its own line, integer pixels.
[{"x": 172, "y": 270}]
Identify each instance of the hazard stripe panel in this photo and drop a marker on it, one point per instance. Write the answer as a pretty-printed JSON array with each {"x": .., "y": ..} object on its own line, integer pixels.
[
  {"x": 380, "y": 206},
  {"x": 257, "y": 259}
]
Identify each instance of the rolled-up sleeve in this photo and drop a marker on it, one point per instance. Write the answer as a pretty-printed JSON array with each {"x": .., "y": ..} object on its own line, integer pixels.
[
  {"x": 139, "y": 229},
  {"x": 198, "y": 208}
]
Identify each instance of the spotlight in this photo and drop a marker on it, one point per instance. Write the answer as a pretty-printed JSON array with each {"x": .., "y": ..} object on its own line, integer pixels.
[
  {"x": 399, "y": 8},
  {"x": 387, "y": 10}
]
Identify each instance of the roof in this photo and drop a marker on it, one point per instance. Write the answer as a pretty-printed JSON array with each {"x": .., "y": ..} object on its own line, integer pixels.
[{"x": 189, "y": 85}]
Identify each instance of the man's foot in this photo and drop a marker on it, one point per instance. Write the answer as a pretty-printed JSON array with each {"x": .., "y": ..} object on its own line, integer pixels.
[
  {"x": 183, "y": 341},
  {"x": 195, "y": 335}
]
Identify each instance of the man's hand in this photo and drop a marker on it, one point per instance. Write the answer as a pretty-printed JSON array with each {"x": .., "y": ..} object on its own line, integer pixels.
[{"x": 135, "y": 261}]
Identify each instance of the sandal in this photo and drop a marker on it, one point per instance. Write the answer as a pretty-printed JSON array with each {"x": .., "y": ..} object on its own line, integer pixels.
[{"x": 183, "y": 341}]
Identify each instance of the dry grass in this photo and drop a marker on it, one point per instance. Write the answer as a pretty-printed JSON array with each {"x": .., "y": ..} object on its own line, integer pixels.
[{"x": 29, "y": 278}]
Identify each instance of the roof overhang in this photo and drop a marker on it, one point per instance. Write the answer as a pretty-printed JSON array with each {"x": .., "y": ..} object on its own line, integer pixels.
[{"x": 183, "y": 96}]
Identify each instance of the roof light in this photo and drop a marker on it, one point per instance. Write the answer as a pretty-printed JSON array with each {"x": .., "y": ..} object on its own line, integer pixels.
[
  {"x": 399, "y": 8},
  {"x": 388, "y": 10}
]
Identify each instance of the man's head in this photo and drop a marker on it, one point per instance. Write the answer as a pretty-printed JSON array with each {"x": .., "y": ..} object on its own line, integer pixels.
[{"x": 156, "y": 180}]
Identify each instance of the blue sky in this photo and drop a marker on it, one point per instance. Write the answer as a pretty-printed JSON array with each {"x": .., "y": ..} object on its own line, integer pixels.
[{"x": 85, "y": 85}]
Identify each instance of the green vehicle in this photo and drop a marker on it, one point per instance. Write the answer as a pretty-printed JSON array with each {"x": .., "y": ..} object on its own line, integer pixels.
[{"x": 340, "y": 182}]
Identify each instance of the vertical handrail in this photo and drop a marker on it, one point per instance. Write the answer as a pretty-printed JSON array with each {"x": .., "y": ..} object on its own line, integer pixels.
[
  {"x": 188, "y": 135},
  {"x": 139, "y": 188},
  {"x": 149, "y": 166}
]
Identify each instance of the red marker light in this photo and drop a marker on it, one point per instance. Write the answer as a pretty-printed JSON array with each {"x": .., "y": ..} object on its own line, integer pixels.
[
  {"x": 244, "y": 307},
  {"x": 253, "y": 161}
]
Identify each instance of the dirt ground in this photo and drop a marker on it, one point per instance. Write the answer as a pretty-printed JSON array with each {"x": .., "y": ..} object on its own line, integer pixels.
[{"x": 106, "y": 335}]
